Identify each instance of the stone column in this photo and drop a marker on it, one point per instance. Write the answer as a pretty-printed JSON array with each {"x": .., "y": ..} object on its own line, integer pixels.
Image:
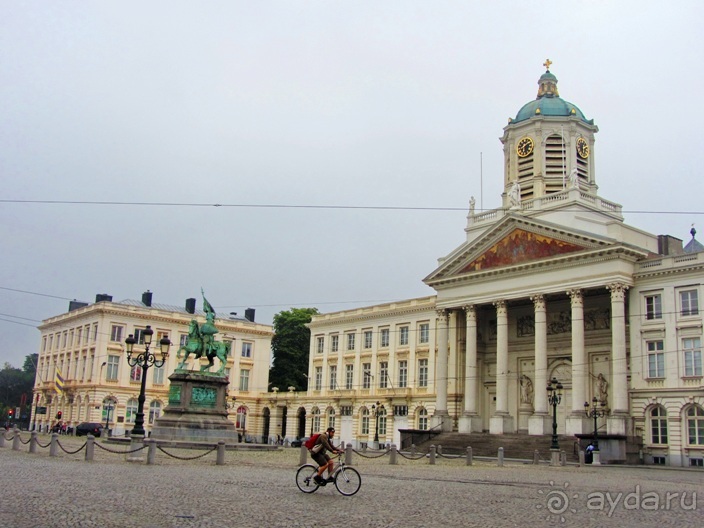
[
  {"x": 470, "y": 421},
  {"x": 616, "y": 422},
  {"x": 576, "y": 419},
  {"x": 501, "y": 422},
  {"x": 540, "y": 423},
  {"x": 441, "y": 415}
]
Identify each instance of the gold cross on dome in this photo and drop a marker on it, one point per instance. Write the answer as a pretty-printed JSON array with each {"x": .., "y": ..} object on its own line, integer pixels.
[{"x": 547, "y": 64}]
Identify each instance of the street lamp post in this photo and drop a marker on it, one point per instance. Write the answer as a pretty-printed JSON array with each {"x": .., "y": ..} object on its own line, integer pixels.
[
  {"x": 554, "y": 389},
  {"x": 596, "y": 410},
  {"x": 145, "y": 360},
  {"x": 376, "y": 410},
  {"x": 108, "y": 408}
]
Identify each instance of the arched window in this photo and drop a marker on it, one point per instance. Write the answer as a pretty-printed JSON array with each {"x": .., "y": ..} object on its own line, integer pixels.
[
  {"x": 316, "y": 419},
  {"x": 423, "y": 419},
  {"x": 365, "y": 421},
  {"x": 108, "y": 413},
  {"x": 154, "y": 411},
  {"x": 658, "y": 425},
  {"x": 331, "y": 417},
  {"x": 695, "y": 425},
  {"x": 382, "y": 420},
  {"x": 241, "y": 421},
  {"x": 131, "y": 410}
]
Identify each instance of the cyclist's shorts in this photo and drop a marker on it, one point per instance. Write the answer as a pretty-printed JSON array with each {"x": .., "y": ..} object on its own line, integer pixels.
[{"x": 320, "y": 458}]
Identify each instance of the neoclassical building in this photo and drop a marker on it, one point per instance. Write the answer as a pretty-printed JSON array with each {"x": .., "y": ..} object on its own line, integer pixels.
[
  {"x": 551, "y": 284},
  {"x": 87, "y": 346}
]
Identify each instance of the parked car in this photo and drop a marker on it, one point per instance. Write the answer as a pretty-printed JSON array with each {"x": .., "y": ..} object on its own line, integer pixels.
[
  {"x": 89, "y": 428},
  {"x": 298, "y": 442}
]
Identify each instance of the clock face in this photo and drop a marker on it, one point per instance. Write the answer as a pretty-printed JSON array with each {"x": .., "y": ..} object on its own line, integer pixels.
[
  {"x": 524, "y": 147},
  {"x": 582, "y": 148}
]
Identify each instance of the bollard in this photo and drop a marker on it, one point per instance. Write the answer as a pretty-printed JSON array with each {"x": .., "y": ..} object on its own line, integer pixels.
[
  {"x": 500, "y": 459},
  {"x": 563, "y": 458},
  {"x": 392, "y": 458},
  {"x": 33, "y": 442},
  {"x": 348, "y": 454},
  {"x": 136, "y": 441},
  {"x": 536, "y": 457},
  {"x": 581, "y": 458},
  {"x": 303, "y": 456},
  {"x": 438, "y": 449},
  {"x": 469, "y": 456},
  {"x": 220, "y": 460},
  {"x": 2, "y": 438},
  {"x": 413, "y": 450},
  {"x": 16, "y": 441},
  {"x": 54, "y": 447},
  {"x": 432, "y": 455},
  {"x": 596, "y": 461},
  {"x": 151, "y": 452},
  {"x": 90, "y": 448}
]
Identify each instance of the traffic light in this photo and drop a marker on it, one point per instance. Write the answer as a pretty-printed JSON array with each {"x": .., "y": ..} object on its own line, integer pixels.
[
  {"x": 11, "y": 414},
  {"x": 58, "y": 415}
]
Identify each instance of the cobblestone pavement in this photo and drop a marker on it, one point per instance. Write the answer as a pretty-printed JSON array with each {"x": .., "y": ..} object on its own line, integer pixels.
[{"x": 255, "y": 489}]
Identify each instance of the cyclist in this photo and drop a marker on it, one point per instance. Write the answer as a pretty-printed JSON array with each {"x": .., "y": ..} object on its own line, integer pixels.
[{"x": 317, "y": 453}]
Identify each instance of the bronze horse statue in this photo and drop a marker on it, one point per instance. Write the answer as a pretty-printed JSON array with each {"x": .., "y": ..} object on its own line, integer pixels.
[{"x": 196, "y": 345}]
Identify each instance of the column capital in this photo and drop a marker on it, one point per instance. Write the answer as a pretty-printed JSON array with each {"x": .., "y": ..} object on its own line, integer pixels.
[
  {"x": 500, "y": 306},
  {"x": 470, "y": 310},
  {"x": 538, "y": 301},
  {"x": 618, "y": 290},
  {"x": 442, "y": 313},
  {"x": 575, "y": 296}
]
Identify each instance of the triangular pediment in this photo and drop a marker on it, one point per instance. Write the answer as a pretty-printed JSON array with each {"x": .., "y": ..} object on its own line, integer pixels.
[
  {"x": 518, "y": 247},
  {"x": 516, "y": 243}
]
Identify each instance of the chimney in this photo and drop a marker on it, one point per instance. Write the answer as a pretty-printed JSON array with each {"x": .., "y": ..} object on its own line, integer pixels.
[
  {"x": 75, "y": 305},
  {"x": 147, "y": 298},
  {"x": 103, "y": 297},
  {"x": 249, "y": 314},
  {"x": 669, "y": 245},
  {"x": 191, "y": 305}
]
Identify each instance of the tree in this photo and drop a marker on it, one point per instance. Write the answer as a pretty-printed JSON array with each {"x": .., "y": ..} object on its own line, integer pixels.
[
  {"x": 16, "y": 383},
  {"x": 290, "y": 346}
]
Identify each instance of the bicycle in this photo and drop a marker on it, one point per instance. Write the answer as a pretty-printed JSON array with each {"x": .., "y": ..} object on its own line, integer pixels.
[{"x": 347, "y": 479}]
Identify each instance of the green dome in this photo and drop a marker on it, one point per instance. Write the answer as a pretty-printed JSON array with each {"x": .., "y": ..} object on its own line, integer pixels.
[{"x": 549, "y": 103}]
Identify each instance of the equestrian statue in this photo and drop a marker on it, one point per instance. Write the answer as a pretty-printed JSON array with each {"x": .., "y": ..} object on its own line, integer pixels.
[{"x": 201, "y": 342}]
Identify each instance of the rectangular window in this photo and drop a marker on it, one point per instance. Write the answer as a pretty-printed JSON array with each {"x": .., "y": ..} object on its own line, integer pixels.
[
  {"x": 689, "y": 302},
  {"x": 136, "y": 374},
  {"x": 653, "y": 307},
  {"x": 422, "y": 372},
  {"x": 696, "y": 462},
  {"x": 64, "y": 338},
  {"x": 403, "y": 373},
  {"x": 403, "y": 336},
  {"x": 384, "y": 338},
  {"x": 365, "y": 423},
  {"x": 112, "y": 368},
  {"x": 658, "y": 426},
  {"x": 246, "y": 349},
  {"x": 350, "y": 341},
  {"x": 70, "y": 339},
  {"x": 383, "y": 374},
  {"x": 367, "y": 339},
  {"x": 692, "y": 347},
  {"x": 349, "y": 377},
  {"x": 333, "y": 377},
  {"x": 345, "y": 410},
  {"x": 95, "y": 333},
  {"x": 424, "y": 333},
  {"x": 183, "y": 340},
  {"x": 320, "y": 345},
  {"x": 656, "y": 359},
  {"x": 334, "y": 343},
  {"x": 79, "y": 333},
  {"x": 318, "y": 378},
  {"x": 139, "y": 335},
  {"x": 116, "y": 333},
  {"x": 659, "y": 460},
  {"x": 244, "y": 380},
  {"x": 158, "y": 375},
  {"x": 400, "y": 410},
  {"x": 366, "y": 375}
]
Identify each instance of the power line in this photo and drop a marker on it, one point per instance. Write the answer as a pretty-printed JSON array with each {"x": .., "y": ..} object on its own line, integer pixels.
[{"x": 288, "y": 206}]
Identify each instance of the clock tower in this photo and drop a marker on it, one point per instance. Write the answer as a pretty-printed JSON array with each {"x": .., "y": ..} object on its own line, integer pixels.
[{"x": 548, "y": 147}]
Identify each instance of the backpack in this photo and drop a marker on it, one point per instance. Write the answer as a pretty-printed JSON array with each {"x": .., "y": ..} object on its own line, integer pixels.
[{"x": 310, "y": 443}]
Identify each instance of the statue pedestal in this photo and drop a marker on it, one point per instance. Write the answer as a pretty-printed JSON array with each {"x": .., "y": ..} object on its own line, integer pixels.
[{"x": 197, "y": 410}]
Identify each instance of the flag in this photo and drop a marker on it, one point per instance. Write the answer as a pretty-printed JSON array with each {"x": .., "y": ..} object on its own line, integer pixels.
[{"x": 58, "y": 381}]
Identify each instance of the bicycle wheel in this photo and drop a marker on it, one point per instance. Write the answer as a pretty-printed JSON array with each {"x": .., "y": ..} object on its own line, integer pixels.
[
  {"x": 348, "y": 481},
  {"x": 304, "y": 478}
]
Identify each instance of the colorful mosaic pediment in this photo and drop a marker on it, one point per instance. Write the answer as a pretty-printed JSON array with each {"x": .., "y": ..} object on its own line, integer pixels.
[{"x": 520, "y": 246}]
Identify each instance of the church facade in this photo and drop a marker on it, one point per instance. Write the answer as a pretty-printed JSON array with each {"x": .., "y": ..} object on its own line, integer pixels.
[{"x": 552, "y": 284}]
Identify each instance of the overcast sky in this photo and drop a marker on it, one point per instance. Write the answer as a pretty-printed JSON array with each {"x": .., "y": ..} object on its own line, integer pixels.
[{"x": 358, "y": 104}]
